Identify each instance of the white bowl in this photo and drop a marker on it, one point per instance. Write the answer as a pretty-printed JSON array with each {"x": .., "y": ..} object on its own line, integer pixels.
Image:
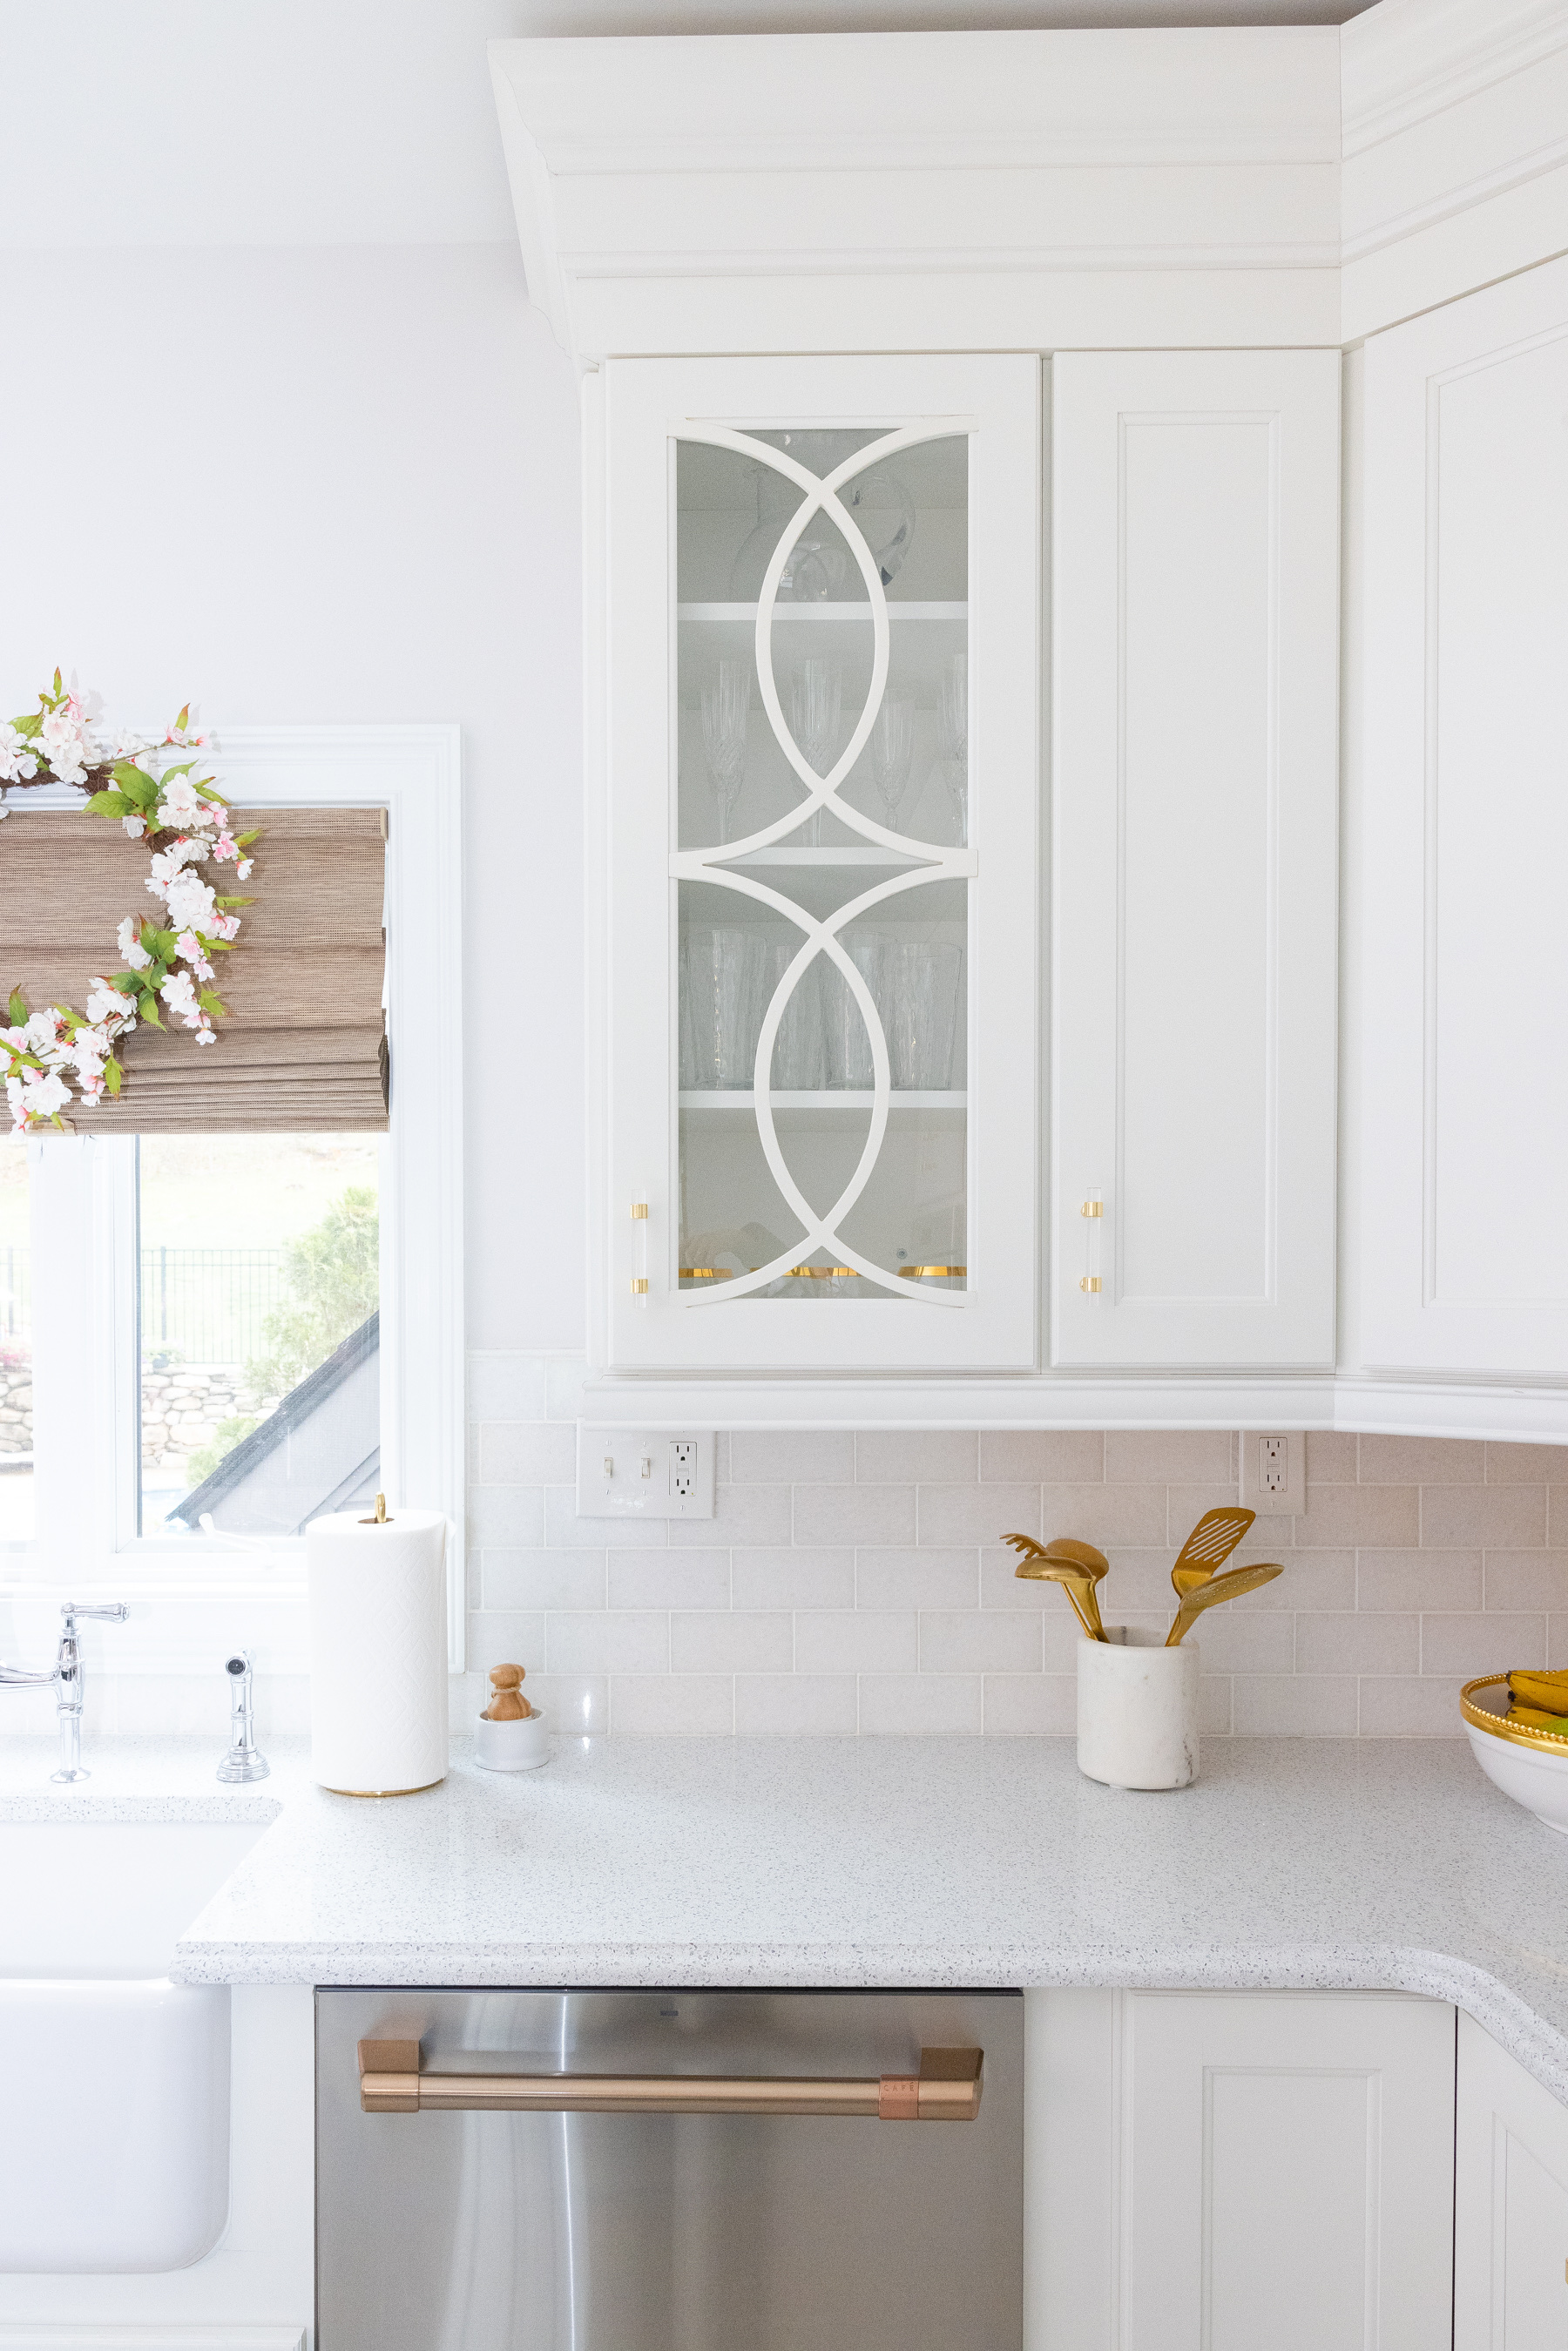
[
  {"x": 1529, "y": 1766},
  {"x": 512, "y": 1746}
]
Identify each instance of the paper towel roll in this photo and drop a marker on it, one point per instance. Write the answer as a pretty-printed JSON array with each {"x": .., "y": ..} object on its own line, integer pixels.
[{"x": 378, "y": 1652}]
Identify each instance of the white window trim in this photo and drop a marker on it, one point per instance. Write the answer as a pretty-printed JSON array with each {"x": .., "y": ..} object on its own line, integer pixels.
[{"x": 187, "y": 1594}]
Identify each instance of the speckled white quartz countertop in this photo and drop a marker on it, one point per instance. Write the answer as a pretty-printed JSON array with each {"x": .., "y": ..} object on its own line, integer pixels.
[{"x": 1292, "y": 1863}]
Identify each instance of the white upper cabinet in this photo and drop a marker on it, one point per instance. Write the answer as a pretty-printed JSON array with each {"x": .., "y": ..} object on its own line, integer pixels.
[
  {"x": 821, "y": 780},
  {"x": 1462, "y": 874},
  {"x": 1195, "y": 787}
]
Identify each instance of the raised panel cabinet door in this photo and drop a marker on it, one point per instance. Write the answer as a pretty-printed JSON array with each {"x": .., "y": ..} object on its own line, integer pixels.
[
  {"x": 1194, "y": 597},
  {"x": 820, "y": 824},
  {"x": 1286, "y": 2171},
  {"x": 1462, "y": 874},
  {"x": 1510, "y": 2209}
]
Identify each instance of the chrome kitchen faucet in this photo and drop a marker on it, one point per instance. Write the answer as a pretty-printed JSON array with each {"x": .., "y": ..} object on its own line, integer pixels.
[{"x": 69, "y": 1672}]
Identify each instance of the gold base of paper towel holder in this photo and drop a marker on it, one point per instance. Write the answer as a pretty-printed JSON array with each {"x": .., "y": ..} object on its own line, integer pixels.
[{"x": 374, "y": 1793}]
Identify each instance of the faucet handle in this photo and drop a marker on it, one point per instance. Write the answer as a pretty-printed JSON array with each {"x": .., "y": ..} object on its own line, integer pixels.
[{"x": 115, "y": 1610}]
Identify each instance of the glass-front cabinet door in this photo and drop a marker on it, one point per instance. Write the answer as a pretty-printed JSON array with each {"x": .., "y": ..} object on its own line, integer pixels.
[{"x": 823, "y": 688}]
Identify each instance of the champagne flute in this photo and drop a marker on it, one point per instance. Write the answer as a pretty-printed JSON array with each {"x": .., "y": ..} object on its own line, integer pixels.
[
  {"x": 726, "y": 707},
  {"x": 816, "y": 699},
  {"x": 891, "y": 750},
  {"x": 953, "y": 725}
]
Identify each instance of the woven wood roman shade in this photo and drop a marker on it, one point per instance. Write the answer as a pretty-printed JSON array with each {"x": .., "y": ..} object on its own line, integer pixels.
[{"x": 304, "y": 1047}]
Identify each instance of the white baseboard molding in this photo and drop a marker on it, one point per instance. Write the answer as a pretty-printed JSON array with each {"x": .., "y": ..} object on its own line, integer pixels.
[{"x": 37, "y": 2335}]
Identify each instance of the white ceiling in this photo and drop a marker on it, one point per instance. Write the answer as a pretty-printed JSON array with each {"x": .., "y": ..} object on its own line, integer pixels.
[{"x": 208, "y": 122}]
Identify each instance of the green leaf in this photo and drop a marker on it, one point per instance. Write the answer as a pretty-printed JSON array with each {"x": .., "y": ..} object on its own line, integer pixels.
[
  {"x": 244, "y": 840},
  {"x": 112, "y": 1075},
  {"x": 31, "y": 725},
  {"x": 111, "y": 804},
  {"x": 149, "y": 1008},
  {"x": 209, "y": 1003},
  {"x": 231, "y": 901},
  {"x": 128, "y": 982},
  {"x": 17, "y": 1007},
  {"x": 138, "y": 786}
]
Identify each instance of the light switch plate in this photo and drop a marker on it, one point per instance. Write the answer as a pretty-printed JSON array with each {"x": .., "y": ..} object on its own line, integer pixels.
[
  {"x": 1274, "y": 1472},
  {"x": 632, "y": 1473}
]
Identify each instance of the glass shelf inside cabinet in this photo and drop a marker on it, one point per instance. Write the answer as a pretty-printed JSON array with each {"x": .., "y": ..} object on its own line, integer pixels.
[{"x": 821, "y": 864}]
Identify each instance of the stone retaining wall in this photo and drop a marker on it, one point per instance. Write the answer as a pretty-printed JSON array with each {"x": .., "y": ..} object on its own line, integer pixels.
[
  {"x": 182, "y": 1406},
  {"x": 15, "y": 1403}
]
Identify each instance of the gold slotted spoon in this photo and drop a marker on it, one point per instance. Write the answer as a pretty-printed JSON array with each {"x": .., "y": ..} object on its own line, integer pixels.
[
  {"x": 1076, "y": 1566},
  {"x": 1209, "y": 1546},
  {"x": 1209, "y": 1594}
]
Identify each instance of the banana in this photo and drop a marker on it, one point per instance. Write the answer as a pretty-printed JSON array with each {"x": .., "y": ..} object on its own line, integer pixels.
[
  {"x": 1534, "y": 1720},
  {"x": 1547, "y": 1691}
]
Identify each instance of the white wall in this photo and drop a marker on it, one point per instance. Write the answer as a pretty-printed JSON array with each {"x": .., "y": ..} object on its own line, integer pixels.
[{"x": 312, "y": 483}]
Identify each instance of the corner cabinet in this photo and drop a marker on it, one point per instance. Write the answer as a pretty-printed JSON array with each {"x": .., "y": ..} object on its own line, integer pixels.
[{"x": 821, "y": 663}]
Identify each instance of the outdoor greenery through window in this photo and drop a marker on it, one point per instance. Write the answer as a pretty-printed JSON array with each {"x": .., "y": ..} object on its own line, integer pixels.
[{"x": 259, "y": 1330}]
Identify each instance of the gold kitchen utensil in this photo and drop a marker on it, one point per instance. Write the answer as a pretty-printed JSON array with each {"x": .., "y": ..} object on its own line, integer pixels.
[
  {"x": 1076, "y": 1566},
  {"x": 1230, "y": 1586},
  {"x": 1209, "y": 1546}
]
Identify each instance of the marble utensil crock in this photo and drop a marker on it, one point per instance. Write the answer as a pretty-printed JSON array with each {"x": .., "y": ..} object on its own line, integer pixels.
[{"x": 1137, "y": 1710}]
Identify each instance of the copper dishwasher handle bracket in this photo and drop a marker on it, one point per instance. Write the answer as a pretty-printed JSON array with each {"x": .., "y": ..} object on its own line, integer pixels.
[{"x": 946, "y": 2089}]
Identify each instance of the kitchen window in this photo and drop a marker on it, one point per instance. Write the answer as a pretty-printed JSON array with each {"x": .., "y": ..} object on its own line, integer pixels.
[{"x": 206, "y": 1340}]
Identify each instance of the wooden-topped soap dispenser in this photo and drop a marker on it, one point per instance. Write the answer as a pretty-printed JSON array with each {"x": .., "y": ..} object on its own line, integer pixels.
[{"x": 510, "y": 1734}]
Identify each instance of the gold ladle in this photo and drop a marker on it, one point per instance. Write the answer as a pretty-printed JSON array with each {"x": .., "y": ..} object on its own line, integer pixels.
[
  {"x": 1076, "y": 1566},
  {"x": 1230, "y": 1586}
]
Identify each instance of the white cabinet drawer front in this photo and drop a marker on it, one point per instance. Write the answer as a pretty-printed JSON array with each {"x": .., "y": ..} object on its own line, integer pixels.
[
  {"x": 1195, "y": 594},
  {"x": 821, "y": 928},
  {"x": 1463, "y": 977},
  {"x": 1286, "y": 2173}
]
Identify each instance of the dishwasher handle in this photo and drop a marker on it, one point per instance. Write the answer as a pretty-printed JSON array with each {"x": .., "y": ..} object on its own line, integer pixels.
[{"x": 946, "y": 2089}]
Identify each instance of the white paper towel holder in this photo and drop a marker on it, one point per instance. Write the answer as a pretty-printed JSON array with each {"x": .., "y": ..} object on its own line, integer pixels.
[{"x": 382, "y": 1516}]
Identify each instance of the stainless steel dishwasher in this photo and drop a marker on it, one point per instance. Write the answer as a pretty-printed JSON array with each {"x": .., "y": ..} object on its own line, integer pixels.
[{"x": 669, "y": 2171}]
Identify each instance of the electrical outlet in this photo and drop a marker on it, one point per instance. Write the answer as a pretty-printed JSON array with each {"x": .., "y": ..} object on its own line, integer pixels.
[
  {"x": 634, "y": 1473},
  {"x": 1274, "y": 1472}
]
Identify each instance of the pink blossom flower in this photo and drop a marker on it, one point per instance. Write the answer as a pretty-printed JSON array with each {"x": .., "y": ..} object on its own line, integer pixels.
[{"x": 134, "y": 825}]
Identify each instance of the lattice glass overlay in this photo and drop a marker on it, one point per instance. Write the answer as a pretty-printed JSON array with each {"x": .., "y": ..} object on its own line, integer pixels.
[{"x": 823, "y": 862}]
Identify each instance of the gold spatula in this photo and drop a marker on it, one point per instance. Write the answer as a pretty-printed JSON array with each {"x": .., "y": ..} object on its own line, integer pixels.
[
  {"x": 1218, "y": 1587},
  {"x": 1076, "y": 1566},
  {"x": 1209, "y": 1546}
]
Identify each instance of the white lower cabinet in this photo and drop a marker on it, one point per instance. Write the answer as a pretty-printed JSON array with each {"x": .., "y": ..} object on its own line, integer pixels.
[
  {"x": 1240, "y": 2171},
  {"x": 1511, "y": 2185}
]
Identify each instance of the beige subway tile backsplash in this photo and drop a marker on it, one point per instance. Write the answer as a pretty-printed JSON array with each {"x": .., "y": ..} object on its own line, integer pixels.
[{"x": 856, "y": 1583}]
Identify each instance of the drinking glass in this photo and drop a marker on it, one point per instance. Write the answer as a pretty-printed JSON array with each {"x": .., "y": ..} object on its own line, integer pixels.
[
  {"x": 724, "y": 983},
  {"x": 952, "y": 726},
  {"x": 848, "y": 1037},
  {"x": 816, "y": 699},
  {"x": 920, "y": 1012},
  {"x": 725, "y": 706},
  {"x": 892, "y": 749},
  {"x": 800, "y": 1048}
]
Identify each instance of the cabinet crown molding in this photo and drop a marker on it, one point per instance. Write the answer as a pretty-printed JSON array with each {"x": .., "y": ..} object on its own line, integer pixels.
[{"x": 982, "y": 190}]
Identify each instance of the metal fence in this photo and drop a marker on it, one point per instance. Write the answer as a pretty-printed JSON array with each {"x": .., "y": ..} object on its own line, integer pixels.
[
  {"x": 208, "y": 1305},
  {"x": 15, "y": 1290}
]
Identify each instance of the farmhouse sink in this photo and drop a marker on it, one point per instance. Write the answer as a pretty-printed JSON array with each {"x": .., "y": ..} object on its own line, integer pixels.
[{"x": 114, "y": 2149}]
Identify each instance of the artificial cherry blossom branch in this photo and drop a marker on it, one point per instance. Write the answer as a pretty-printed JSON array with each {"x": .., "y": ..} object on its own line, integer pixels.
[{"x": 185, "y": 821}]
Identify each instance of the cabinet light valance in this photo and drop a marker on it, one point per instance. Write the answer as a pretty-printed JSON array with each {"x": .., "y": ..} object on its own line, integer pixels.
[{"x": 304, "y": 1047}]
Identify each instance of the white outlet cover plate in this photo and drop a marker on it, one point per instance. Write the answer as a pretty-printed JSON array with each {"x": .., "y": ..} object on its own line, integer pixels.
[
  {"x": 1255, "y": 1493},
  {"x": 612, "y": 1483}
]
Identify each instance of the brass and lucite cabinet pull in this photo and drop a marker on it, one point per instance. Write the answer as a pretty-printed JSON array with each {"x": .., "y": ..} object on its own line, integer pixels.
[{"x": 946, "y": 2089}]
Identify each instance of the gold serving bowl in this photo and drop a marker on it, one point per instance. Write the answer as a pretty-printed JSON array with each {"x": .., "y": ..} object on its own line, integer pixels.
[{"x": 1527, "y": 1764}]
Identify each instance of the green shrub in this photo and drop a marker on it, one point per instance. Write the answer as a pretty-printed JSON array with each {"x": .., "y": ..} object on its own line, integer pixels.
[
  {"x": 226, "y": 1436},
  {"x": 331, "y": 1278}
]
